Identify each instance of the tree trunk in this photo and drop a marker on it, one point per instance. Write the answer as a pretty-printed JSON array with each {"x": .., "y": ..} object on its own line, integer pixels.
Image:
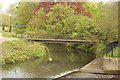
[
  {"x": 3, "y": 28},
  {"x": 10, "y": 29}
]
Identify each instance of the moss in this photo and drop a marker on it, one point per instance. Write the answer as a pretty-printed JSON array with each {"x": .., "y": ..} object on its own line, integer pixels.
[{"x": 22, "y": 50}]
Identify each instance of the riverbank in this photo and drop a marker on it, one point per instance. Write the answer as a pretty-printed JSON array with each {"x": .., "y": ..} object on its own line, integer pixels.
[
  {"x": 112, "y": 64},
  {"x": 21, "y": 50},
  {"x": 94, "y": 69},
  {"x": 63, "y": 59}
]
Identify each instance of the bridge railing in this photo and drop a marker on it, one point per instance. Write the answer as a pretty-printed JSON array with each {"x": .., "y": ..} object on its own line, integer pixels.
[{"x": 59, "y": 36}]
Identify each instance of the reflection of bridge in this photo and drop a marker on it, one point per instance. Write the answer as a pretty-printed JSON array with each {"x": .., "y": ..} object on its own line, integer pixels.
[{"x": 63, "y": 41}]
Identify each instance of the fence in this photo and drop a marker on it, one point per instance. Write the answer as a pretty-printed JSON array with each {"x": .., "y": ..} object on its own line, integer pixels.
[{"x": 110, "y": 48}]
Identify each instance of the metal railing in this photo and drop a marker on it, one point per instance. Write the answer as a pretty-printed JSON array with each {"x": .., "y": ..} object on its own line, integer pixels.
[
  {"x": 59, "y": 36},
  {"x": 110, "y": 48}
]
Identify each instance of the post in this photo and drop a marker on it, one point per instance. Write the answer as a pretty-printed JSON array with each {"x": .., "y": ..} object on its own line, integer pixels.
[
  {"x": 112, "y": 50},
  {"x": 107, "y": 49}
]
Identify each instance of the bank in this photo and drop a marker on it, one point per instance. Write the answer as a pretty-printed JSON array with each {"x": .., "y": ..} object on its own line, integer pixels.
[
  {"x": 111, "y": 60},
  {"x": 21, "y": 50},
  {"x": 94, "y": 70},
  {"x": 106, "y": 66}
]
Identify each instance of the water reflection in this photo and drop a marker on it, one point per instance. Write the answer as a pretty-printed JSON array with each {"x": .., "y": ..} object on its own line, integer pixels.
[{"x": 60, "y": 59}]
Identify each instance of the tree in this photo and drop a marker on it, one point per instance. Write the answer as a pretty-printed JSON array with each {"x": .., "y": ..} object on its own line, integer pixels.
[
  {"x": 57, "y": 18},
  {"x": 108, "y": 23},
  {"x": 38, "y": 21},
  {"x": 5, "y": 21},
  {"x": 29, "y": 14},
  {"x": 61, "y": 18},
  {"x": 12, "y": 9},
  {"x": 24, "y": 14},
  {"x": 93, "y": 8},
  {"x": 77, "y": 6}
]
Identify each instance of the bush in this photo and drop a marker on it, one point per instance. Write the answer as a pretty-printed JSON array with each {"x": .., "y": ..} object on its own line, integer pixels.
[{"x": 22, "y": 50}]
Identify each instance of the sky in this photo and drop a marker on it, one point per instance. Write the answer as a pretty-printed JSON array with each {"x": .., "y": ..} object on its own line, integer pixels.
[{"x": 6, "y": 3}]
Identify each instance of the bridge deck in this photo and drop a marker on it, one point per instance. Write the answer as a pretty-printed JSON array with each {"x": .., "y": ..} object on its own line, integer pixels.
[{"x": 63, "y": 41}]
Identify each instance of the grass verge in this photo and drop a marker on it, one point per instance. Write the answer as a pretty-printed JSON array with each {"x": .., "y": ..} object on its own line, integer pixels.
[
  {"x": 9, "y": 35},
  {"x": 21, "y": 50}
]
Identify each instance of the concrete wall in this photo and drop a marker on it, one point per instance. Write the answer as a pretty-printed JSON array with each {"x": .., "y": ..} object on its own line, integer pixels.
[{"x": 111, "y": 63}]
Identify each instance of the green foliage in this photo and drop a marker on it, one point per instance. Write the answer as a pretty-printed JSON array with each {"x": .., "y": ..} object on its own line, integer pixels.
[
  {"x": 57, "y": 19},
  {"x": 100, "y": 49},
  {"x": 9, "y": 35},
  {"x": 21, "y": 50},
  {"x": 37, "y": 23},
  {"x": 62, "y": 19},
  {"x": 93, "y": 8},
  {"x": 24, "y": 14},
  {"x": 5, "y": 20},
  {"x": 107, "y": 25},
  {"x": 12, "y": 9},
  {"x": 82, "y": 25}
]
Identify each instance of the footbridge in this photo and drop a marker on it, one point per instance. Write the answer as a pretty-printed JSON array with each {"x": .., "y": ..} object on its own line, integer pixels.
[
  {"x": 63, "y": 38},
  {"x": 63, "y": 41}
]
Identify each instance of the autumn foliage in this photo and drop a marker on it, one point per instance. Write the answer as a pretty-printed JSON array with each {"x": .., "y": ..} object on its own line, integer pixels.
[{"x": 77, "y": 6}]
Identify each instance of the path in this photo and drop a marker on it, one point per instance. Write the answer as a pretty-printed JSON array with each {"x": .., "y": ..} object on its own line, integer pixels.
[{"x": 2, "y": 39}]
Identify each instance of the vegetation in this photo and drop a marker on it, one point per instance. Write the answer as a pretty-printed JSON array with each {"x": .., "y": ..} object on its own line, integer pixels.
[
  {"x": 9, "y": 35},
  {"x": 21, "y": 50},
  {"x": 95, "y": 21}
]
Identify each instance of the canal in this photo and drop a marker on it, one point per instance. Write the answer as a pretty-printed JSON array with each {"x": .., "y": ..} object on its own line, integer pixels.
[{"x": 59, "y": 60}]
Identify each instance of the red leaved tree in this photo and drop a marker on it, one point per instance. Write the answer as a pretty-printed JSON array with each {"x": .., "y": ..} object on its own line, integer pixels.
[{"x": 77, "y": 6}]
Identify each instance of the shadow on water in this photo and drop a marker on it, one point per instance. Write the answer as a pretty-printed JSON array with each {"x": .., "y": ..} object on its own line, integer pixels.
[{"x": 60, "y": 59}]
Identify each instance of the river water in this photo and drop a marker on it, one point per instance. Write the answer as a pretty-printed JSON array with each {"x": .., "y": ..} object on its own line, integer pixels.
[{"x": 63, "y": 60}]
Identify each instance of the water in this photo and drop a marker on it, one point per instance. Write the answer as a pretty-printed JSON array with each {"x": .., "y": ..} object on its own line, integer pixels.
[{"x": 59, "y": 61}]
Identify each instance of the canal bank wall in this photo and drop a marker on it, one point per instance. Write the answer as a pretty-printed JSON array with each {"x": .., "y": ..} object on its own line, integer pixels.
[
  {"x": 94, "y": 66},
  {"x": 101, "y": 67},
  {"x": 103, "y": 63},
  {"x": 111, "y": 64}
]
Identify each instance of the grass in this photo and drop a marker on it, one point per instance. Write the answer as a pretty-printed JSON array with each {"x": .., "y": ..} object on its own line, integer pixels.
[
  {"x": 9, "y": 35},
  {"x": 21, "y": 50},
  {"x": 115, "y": 53}
]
